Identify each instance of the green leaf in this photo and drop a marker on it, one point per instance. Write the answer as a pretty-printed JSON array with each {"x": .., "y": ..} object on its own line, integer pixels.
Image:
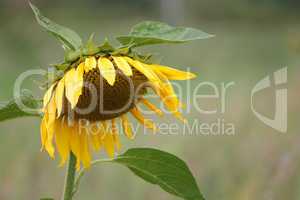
[
  {"x": 62, "y": 66},
  {"x": 13, "y": 109},
  {"x": 90, "y": 48},
  {"x": 121, "y": 51},
  {"x": 164, "y": 169},
  {"x": 106, "y": 47},
  {"x": 150, "y": 32},
  {"x": 70, "y": 39},
  {"x": 71, "y": 56}
]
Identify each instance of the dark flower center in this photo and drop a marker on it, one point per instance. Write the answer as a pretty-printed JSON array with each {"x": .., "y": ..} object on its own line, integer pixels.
[{"x": 101, "y": 101}]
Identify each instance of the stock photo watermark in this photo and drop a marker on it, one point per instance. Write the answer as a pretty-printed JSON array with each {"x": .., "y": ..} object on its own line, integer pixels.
[{"x": 191, "y": 95}]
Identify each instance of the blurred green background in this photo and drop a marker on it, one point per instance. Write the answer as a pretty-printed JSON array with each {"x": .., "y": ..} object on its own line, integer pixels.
[{"x": 253, "y": 39}]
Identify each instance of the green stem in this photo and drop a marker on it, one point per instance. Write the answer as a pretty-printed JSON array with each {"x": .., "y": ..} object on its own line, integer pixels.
[{"x": 70, "y": 178}]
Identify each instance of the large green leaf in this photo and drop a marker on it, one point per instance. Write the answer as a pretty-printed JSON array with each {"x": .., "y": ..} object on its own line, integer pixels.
[
  {"x": 13, "y": 109},
  {"x": 150, "y": 32},
  {"x": 164, "y": 169},
  {"x": 68, "y": 37}
]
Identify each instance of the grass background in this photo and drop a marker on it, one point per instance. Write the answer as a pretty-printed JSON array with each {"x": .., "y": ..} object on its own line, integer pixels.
[{"x": 253, "y": 39}]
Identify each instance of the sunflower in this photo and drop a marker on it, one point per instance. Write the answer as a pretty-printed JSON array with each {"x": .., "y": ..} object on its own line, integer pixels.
[{"x": 81, "y": 108}]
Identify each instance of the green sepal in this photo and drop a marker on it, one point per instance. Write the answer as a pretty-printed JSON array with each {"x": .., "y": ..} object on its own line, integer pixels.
[
  {"x": 141, "y": 57},
  {"x": 62, "y": 67},
  {"x": 71, "y": 56},
  {"x": 121, "y": 51},
  {"x": 106, "y": 47},
  {"x": 90, "y": 48}
]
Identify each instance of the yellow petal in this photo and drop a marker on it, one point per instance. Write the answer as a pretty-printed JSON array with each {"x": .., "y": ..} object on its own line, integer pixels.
[
  {"x": 69, "y": 80},
  {"x": 126, "y": 127},
  {"x": 168, "y": 95},
  {"x": 59, "y": 96},
  {"x": 73, "y": 84},
  {"x": 50, "y": 126},
  {"x": 170, "y": 99},
  {"x": 148, "y": 72},
  {"x": 160, "y": 83},
  {"x": 43, "y": 130},
  {"x": 84, "y": 149},
  {"x": 173, "y": 74},
  {"x": 146, "y": 122},
  {"x": 96, "y": 143},
  {"x": 95, "y": 135},
  {"x": 90, "y": 63},
  {"x": 107, "y": 139},
  {"x": 151, "y": 106},
  {"x": 79, "y": 74},
  {"x": 123, "y": 65},
  {"x": 156, "y": 82},
  {"x": 49, "y": 141},
  {"x": 108, "y": 142},
  {"x": 51, "y": 111},
  {"x": 104, "y": 129},
  {"x": 48, "y": 95},
  {"x": 115, "y": 134},
  {"x": 81, "y": 68},
  {"x": 62, "y": 137},
  {"x": 107, "y": 70},
  {"x": 75, "y": 144}
]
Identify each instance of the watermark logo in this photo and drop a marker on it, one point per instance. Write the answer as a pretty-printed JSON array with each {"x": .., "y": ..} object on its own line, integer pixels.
[
  {"x": 279, "y": 122},
  {"x": 204, "y": 99}
]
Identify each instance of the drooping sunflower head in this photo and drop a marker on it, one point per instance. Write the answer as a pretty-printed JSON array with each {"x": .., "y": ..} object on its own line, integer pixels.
[
  {"x": 82, "y": 107},
  {"x": 101, "y": 85}
]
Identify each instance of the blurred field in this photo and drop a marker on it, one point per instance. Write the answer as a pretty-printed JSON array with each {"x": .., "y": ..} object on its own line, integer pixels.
[{"x": 252, "y": 41}]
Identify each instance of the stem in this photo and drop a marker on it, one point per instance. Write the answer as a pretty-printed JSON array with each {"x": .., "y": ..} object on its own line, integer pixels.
[{"x": 70, "y": 178}]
